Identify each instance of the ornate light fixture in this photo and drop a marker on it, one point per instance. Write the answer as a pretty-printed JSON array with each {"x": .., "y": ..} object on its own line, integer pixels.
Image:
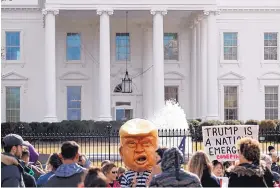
[{"x": 126, "y": 81}]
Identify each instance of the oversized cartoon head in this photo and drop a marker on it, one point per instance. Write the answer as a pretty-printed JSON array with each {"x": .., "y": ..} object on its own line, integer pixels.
[{"x": 138, "y": 143}]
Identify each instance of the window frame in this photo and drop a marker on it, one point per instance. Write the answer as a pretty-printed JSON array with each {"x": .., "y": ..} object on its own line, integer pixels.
[
  {"x": 238, "y": 103},
  {"x": 277, "y": 86},
  {"x": 173, "y": 86},
  {"x": 239, "y": 46},
  {"x": 6, "y": 109},
  {"x": 263, "y": 61},
  {"x": 4, "y": 98},
  {"x": 82, "y": 59},
  {"x": 178, "y": 46},
  {"x": 21, "y": 60},
  {"x": 115, "y": 49},
  {"x": 66, "y": 97}
]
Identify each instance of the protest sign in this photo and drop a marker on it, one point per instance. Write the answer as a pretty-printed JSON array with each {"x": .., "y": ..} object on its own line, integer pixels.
[
  {"x": 220, "y": 141},
  {"x": 223, "y": 181}
]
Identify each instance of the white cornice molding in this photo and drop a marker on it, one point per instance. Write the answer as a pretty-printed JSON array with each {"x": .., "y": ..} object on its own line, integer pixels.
[
  {"x": 108, "y": 11},
  {"x": 252, "y": 9},
  {"x": 48, "y": 11},
  {"x": 270, "y": 76},
  {"x": 231, "y": 76},
  {"x": 13, "y": 76},
  {"x": 74, "y": 75},
  {"x": 13, "y": 9},
  {"x": 161, "y": 11}
]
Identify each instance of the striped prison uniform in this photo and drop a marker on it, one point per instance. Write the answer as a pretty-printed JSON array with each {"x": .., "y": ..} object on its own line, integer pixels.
[{"x": 141, "y": 178}]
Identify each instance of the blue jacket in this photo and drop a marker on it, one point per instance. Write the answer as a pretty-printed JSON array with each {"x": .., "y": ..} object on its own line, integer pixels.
[{"x": 43, "y": 179}]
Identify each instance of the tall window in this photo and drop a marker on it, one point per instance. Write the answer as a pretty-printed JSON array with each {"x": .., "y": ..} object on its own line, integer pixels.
[
  {"x": 270, "y": 46},
  {"x": 74, "y": 102},
  {"x": 73, "y": 46},
  {"x": 230, "y": 103},
  {"x": 122, "y": 46},
  {"x": 12, "y": 45},
  {"x": 171, "y": 46},
  {"x": 12, "y": 104},
  {"x": 124, "y": 114},
  {"x": 171, "y": 92},
  {"x": 271, "y": 102},
  {"x": 230, "y": 45}
]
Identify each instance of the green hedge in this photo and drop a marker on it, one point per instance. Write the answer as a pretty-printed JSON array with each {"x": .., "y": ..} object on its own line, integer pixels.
[
  {"x": 195, "y": 126},
  {"x": 59, "y": 127}
]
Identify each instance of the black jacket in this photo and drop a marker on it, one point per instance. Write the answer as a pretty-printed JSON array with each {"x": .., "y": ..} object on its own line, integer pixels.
[
  {"x": 12, "y": 175},
  {"x": 208, "y": 180},
  {"x": 250, "y": 175},
  {"x": 275, "y": 167}
]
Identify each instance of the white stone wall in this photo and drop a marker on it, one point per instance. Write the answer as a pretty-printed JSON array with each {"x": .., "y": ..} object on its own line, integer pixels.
[{"x": 250, "y": 65}]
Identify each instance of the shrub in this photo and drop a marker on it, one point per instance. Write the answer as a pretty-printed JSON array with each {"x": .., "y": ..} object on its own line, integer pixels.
[
  {"x": 233, "y": 122},
  {"x": 252, "y": 122},
  {"x": 58, "y": 127},
  {"x": 277, "y": 122},
  {"x": 210, "y": 123},
  {"x": 268, "y": 124}
]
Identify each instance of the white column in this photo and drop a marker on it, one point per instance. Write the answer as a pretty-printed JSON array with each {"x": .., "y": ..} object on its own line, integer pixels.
[
  {"x": 50, "y": 65},
  {"x": 148, "y": 73},
  {"x": 104, "y": 66},
  {"x": 212, "y": 83},
  {"x": 158, "y": 59},
  {"x": 193, "y": 71},
  {"x": 198, "y": 66},
  {"x": 203, "y": 83}
]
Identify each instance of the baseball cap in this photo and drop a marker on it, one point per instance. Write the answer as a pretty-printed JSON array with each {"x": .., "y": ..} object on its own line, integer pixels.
[{"x": 13, "y": 140}]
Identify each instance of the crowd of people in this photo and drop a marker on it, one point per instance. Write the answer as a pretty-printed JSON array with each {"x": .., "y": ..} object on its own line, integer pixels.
[{"x": 69, "y": 168}]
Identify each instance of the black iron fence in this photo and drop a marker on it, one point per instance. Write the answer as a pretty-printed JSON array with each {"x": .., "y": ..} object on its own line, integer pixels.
[{"x": 101, "y": 145}]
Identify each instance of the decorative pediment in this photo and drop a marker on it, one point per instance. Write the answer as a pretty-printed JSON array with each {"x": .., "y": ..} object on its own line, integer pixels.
[
  {"x": 13, "y": 76},
  {"x": 231, "y": 76},
  {"x": 173, "y": 75},
  {"x": 75, "y": 75},
  {"x": 270, "y": 76}
]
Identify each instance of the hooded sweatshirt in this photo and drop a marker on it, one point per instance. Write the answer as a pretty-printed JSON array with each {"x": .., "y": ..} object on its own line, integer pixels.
[
  {"x": 173, "y": 175},
  {"x": 67, "y": 175}
]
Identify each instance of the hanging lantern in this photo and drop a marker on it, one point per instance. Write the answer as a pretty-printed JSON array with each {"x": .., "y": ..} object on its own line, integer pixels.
[{"x": 126, "y": 84}]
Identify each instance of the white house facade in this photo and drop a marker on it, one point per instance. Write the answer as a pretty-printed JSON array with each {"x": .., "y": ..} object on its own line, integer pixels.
[{"x": 65, "y": 59}]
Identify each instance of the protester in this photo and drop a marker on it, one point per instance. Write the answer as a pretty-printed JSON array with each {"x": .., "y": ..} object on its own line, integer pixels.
[
  {"x": 200, "y": 165},
  {"x": 173, "y": 175},
  {"x": 34, "y": 155},
  {"x": 12, "y": 174},
  {"x": 103, "y": 163},
  {"x": 159, "y": 154},
  {"x": 84, "y": 161},
  {"x": 249, "y": 172},
  {"x": 94, "y": 178},
  {"x": 218, "y": 168},
  {"x": 52, "y": 164},
  {"x": 110, "y": 170},
  {"x": 275, "y": 159},
  {"x": 271, "y": 149},
  {"x": 68, "y": 174},
  {"x": 121, "y": 172},
  {"x": 266, "y": 159}
]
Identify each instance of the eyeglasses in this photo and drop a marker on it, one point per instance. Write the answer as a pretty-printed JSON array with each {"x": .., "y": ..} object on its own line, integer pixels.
[{"x": 114, "y": 172}]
